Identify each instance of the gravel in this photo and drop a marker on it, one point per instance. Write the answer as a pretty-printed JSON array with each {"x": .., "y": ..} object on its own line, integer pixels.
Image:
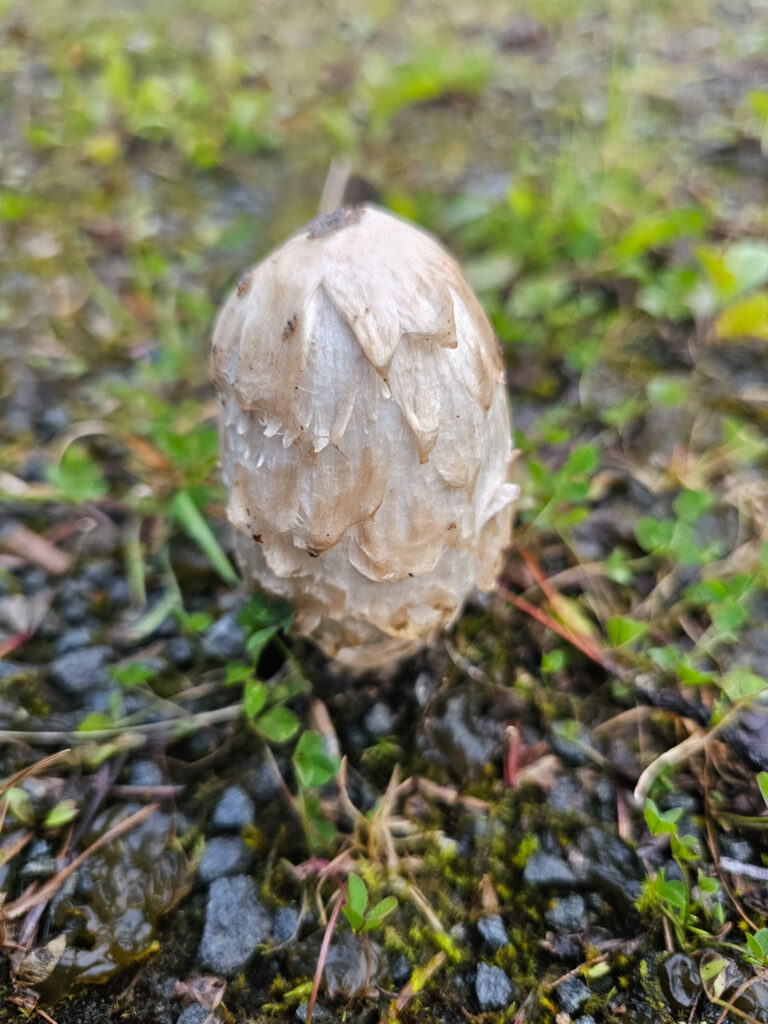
[
  {"x": 225, "y": 638},
  {"x": 567, "y": 915},
  {"x": 235, "y": 924},
  {"x": 545, "y": 869},
  {"x": 223, "y": 855},
  {"x": 234, "y": 810},
  {"x": 572, "y": 995},
  {"x": 82, "y": 670},
  {"x": 492, "y": 987},
  {"x": 492, "y": 932}
]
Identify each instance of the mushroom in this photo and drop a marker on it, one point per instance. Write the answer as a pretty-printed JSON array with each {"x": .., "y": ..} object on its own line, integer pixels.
[{"x": 365, "y": 436}]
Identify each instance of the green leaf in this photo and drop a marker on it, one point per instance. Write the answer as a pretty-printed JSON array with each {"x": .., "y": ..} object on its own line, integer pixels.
[
  {"x": 762, "y": 781},
  {"x": 553, "y": 661},
  {"x": 747, "y": 262},
  {"x": 666, "y": 389},
  {"x": 377, "y": 914},
  {"x": 690, "y": 505},
  {"x": 654, "y": 535},
  {"x": 278, "y": 725},
  {"x": 625, "y": 631},
  {"x": 675, "y": 893},
  {"x": 615, "y": 568},
  {"x": 96, "y": 721},
  {"x": 77, "y": 476},
  {"x": 661, "y": 822},
  {"x": 757, "y": 944},
  {"x": 356, "y": 920},
  {"x": 256, "y": 642},
  {"x": 194, "y": 622},
  {"x": 357, "y": 894},
  {"x": 183, "y": 509},
  {"x": 690, "y": 675},
  {"x": 254, "y": 698},
  {"x": 728, "y": 617},
  {"x": 659, "y": 229},
  {"x": 708, "y": 885},
  {"x": 313, "y": 766},
  {"x": 712, "y": 968},
  {"x": 747, "y": 318},
  {"x": 583, "y": 459},
  {"x": 262, "y": 611},
  {"x": 667, "y": 658},
  {"x": 64, "y": 812},
  {"x": 19, "y": 805},
  {"x": 684, "y": 847},
  {"x": 133, "y": 674},
  {"x": 237, "y": 672},
  {"x": 740, "y": 682}
]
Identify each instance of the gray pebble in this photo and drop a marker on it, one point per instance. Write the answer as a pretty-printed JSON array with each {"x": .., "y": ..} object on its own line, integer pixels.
[
  {"x": 378, "y": 721},
  {"x": 235, "y": 924},
  {"x": 285, "y": 923},
  {"x": 180, "y": 651},
  {"x": 401, "y": 970},
  {"x": 73, "y": 639},
  {"x": 223, "y": 855},
  {"x": 196, "y": 1014},
  {"x": 225, "y": 638},
  {"x": 492, "y": 988},
  {"x": 567, "y": 915},
  {"x": 145, "y": 773},
  {"x": 544, "y": 869},
  {"x": 492, "y": 932},
  {"x": 80, "y": 671},
  {"x": 233, "y": 811},
  {"x": 572, "y": 995},
  {"x": 320, "y": 1016},
  {"x": 33, "y": 579}
]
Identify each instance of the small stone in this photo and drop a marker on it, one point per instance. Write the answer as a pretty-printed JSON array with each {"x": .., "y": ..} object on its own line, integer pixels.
[
  {"x": 233, "y": 811},
  {"x": 567, "y": 915},
  {"x": 262, "y": 783},
  {"x": 52, "y": 420},
  {"x": 586, "y": 1019},
  {"x": 379, "y": 721},
  {"x": 320, "y": 1016},
  {"x": 82, "y": 670},
  {"x": 492, "y": 988},
  {"x": 492, "y": 932},
  {"x": 401, "y": 970},
  {"x": 544, "y": 869},
  {"x": 180, "y": 651},
  {"x": 285, "y": 922},
  {"x": 351, "y": 965},
  {"x": 196, "y": 1014},
  {"x": 32, "y": 580},
  {"x": 225, "y": 638},
  {"x": 73, "y": 639},
  {"x": 223, "y": 855},
  {"x": 119, "y": 592},
  {"x": 145, "y": 773},
  {"x": 235, "y": 924},
  {"x": 568, "y": 744},
  {"x": 572, "y": 995}
]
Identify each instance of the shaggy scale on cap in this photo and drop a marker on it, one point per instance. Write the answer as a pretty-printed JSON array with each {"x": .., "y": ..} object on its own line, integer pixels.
[{"x": 365, "y": 437}]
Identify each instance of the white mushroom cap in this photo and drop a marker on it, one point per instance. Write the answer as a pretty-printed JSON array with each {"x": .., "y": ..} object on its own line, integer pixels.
[{"x": 365, "y": 434}]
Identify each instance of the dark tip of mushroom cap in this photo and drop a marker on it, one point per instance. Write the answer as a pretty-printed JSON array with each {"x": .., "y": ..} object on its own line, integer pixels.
[{"x": 327, "y": 223}]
